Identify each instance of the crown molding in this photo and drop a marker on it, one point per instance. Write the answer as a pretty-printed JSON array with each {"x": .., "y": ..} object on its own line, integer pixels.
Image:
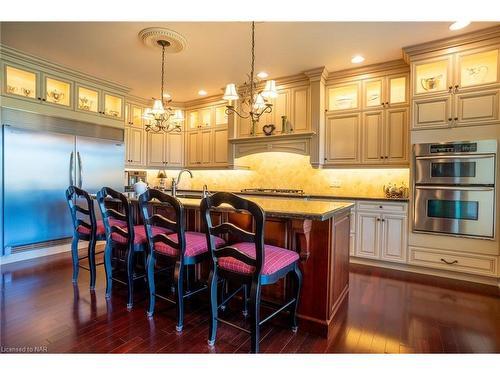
[
  {"x": 9, "y": 53},
  {"x": 317, "y": 74},
  {"x": 393, "y": 65},
  {"x": 452, "y": 42}
]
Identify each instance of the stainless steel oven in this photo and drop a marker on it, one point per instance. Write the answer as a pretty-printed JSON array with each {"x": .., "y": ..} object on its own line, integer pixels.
[{"x": 454, "y": 188}]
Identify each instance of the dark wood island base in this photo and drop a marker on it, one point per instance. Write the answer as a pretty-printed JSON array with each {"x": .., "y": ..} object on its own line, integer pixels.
[{"x": 318, "y": 231}]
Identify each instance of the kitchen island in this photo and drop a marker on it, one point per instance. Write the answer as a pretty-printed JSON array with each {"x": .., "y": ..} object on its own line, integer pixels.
[{"x": 317, "y": 230}]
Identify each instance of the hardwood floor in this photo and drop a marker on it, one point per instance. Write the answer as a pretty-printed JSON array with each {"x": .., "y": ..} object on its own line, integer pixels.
[{"x": 387, "y": 312}]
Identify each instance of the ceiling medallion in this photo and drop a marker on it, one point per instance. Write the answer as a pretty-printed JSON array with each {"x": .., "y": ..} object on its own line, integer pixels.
[{"x": 162, "y": 118}]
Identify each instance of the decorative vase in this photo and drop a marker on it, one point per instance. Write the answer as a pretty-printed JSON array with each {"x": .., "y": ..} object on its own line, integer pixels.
[{"x": 284, "y": 129}]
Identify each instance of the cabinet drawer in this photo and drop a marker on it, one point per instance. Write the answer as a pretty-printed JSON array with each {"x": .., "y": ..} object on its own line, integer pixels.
[
  {"x": 382, "y": 206},
  {"x": 453, "y": 261}
]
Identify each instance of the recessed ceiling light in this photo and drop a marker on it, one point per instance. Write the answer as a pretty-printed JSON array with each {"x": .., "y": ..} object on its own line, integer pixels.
[
  {"x": 459, "y": 25},
  {"x": 202, "y": 92},
  {"x": 357, "y": 59},
  {"x": 263, "y": 75}
]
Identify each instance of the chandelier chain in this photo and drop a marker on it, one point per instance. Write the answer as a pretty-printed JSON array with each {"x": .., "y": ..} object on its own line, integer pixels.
[
  {"x": 162, "y": 71},
  {"x": 253, "y": 62}
]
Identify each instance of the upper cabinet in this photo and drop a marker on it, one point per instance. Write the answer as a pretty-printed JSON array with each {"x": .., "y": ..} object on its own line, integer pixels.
[
  {"x": 367, "y": 117},
  {"x": 456, "y": 82},
  {"x": 39, "y": 86}
]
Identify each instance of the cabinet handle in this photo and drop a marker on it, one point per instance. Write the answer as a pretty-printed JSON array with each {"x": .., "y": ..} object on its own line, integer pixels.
[
  {"x": 378, "y": 219},
  {"x": 383, "y": 220},
  {"x": 450, "y": 88},
  {"x": 43, "y": 99},
  {"x": 381, "y": 157},
  {"x": 39, "y": 98},
  {"x": 449, "y": 119},
  {"x": 324, "y": 159},
  {"x": 445, "y": 261},
  {"x": 386, "y": 103},
  {"x": 456, "y": 88},
  {"x": 456, "y": 119},
  {"x": 380, "y": 206}
]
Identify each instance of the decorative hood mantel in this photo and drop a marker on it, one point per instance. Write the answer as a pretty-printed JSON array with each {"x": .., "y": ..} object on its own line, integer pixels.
[{"x": 298, "y": 143}]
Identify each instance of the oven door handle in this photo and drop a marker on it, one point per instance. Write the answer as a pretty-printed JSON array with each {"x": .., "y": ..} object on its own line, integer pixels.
[
  {"x": 448, "y": 157},
  {"x": 471, "y": 188}
]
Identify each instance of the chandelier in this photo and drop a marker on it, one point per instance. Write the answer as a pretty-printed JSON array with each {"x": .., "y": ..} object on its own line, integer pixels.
[
  {"x": 254, "y": 103},
  {"x": 162, "y": 118}
]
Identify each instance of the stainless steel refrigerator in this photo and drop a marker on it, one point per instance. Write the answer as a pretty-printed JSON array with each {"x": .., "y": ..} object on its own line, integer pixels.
[{"x": 38, "y": 166}]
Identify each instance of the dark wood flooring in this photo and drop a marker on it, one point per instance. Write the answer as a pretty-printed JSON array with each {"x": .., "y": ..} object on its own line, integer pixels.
[{"x": 386, "y": 312}]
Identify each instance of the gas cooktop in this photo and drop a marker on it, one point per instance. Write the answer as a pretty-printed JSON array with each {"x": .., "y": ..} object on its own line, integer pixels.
[{"x": 273, "y": 191}]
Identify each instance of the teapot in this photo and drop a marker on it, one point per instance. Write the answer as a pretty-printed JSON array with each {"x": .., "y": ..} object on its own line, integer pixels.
[
  {"x": 140, "y": 187},
  {"x": 431, "y": 83}
]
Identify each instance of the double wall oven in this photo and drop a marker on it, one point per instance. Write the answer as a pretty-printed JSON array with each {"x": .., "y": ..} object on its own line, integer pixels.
[{"x": 454, "y": 188}]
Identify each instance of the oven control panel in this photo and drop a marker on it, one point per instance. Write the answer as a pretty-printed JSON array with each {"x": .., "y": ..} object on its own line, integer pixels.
[{"x": 453, "y": 148}]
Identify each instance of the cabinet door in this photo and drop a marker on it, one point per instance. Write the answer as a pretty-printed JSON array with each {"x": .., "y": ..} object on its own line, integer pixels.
[
  {"x": 220, "y": 115},
  {"x": 281, "y": 108},
  {"x": 21, "y": 82},
  {"x": 244, "y": 126},
  {"x": 135, "y": 146},
  {"x": 193, "y": 152},
  {"x": 372, "y": 130},
  {"x": 135, "y": 115},
  {"x": 205, "y": 147},
  {"x": 205, "y": 117},
  {"x": 394, "y": 241},
  {"x": 88, "y": 99},
  {"x": 156, "y": 149},
  {"x": 220, "y": 146},
  {"x": 432, "y": 76},
  {"x": 373, "y": 93},
  {"x": 397, "y": 90},
  {"x": 344, "y": 97},
  {"x": 476, "y": 108},
  {"x": 174, "y": 149},
  {"x": 127, "y": 146},
  {"x": 368, "y": 235},
  {"x": 343, "y": 139},
  {"x": 396, "y": 136},
  {"x": 192, "y": 120},
  {"x": 57, "y": 91},
  {"x": 477, "y": 68},
  {"x": 113, "y": 106},
  {"x": 301, "y": 113},
  {"x": 433, "y": 112}
]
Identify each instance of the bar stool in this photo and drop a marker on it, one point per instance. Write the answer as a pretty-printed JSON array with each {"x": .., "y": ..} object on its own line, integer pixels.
[
  {"x": 181, "y": 247},
  {"x": 85, "y": 227},
  {"x": 250, "y": 263},
  {"x": 129, "y": 239}
]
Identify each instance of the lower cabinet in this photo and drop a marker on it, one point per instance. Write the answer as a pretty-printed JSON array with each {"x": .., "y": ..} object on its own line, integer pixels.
[{"x": 381, "y": 232}]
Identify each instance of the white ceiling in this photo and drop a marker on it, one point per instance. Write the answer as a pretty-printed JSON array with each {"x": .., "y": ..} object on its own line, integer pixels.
[{"x": 216, "y": 52}]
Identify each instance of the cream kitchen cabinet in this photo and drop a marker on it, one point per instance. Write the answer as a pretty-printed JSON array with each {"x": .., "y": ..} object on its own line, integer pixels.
[
  {"x": 133, "y": 115},
  {"x": 93, "y": 100},
  {"x": 200, "y": 148},
  {"x": 381, "y": 231},
  {"x": 385, "y": 136},
  {"x": 165, "y": 150},
  {"x": 343, "y": 136},
  {"x": 134, "y": 147},
  {"x": 458, "y": 89},
  {"x": 385, "y": 92}
]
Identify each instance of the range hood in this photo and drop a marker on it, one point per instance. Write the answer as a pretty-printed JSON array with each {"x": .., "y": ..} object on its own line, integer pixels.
[{"x": 297, "y": 143}]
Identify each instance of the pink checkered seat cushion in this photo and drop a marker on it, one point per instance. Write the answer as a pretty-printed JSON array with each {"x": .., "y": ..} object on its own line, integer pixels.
[
  {"x": 196, "y": 243},
  {"x": 275, "y": 259},
  {"x": 140, "y": 236},
  {"x": 100, "y": 230}
]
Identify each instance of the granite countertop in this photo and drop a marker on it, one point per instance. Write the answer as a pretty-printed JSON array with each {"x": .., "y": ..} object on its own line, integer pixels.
[{"x": 281, "y": 207}]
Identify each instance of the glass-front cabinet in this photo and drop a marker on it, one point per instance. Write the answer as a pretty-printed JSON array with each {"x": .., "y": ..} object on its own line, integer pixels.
[
  {"x": 220, "y": 115},
  {"x": 432, "y": 76},
  {"x": 372, "y": 92},
  {"x": 345, "y": 97},
  {"x": 88, "y": 99},
  {"x": 21, "y": 82},
  {"x": 113, "y": 106},
  {"x": 58, "y": 91},
  {"x": 398, "y": 89},
  {"x": 99, "y": 101},
  {"x": 477, "y": 68},
  {"x": 385, "y": 92}
]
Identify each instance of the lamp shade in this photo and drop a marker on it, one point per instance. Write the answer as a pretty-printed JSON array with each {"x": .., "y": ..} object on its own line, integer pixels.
[
  {"x": 161, "y": 174},
  {"x": 178, "y": 115},
  {"x": 158, "y": 108},
  {"x": 259, "y": 102},
  {"x": 147, "y": 114},
  {"x": 270, "y": 89},
  {"x": 230, "y": 93}
]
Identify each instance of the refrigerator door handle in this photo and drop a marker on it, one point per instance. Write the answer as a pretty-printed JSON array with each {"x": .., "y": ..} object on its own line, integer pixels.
[
  {"x": 79, "y": 169},
  {"x": 71, "y": 169}
]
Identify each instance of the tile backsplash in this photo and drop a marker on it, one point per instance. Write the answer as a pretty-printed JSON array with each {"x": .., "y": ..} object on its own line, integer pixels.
[{"x": 291, "y": 171}]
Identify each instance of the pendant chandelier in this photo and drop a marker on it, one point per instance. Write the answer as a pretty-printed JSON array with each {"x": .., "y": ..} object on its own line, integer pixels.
[
  {"x": 254, "y": 103},
  {"x": 162, "y": 118}
]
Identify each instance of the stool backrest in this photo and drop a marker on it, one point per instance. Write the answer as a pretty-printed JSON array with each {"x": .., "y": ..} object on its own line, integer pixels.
[
  {"x": 158, "y": 220},
  {"x": 108, "y": 213},
  {"x": 72, "y": 194},
  {"x": 257, "y": 237}
]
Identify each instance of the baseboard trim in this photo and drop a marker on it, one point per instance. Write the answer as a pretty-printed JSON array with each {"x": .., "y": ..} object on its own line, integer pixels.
[
  {"x": 38, "y": 253},
  {"x": 427, "y": 271}
]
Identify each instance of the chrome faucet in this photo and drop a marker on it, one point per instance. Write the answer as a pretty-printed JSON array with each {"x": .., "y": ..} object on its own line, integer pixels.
[{"x": 175, "y": 183}]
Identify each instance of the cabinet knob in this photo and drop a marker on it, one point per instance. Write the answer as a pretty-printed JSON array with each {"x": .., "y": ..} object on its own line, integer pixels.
[
  {"x": 39, "y": 98},
  {"x": 449, "y": 119},
  {"x": 378, "y": 219},
  {"x": 43, "y": 99},
  {"x": 386, "y": 103},
  {"x": 450, "y": 88},
  {"x": 381, "y": 157},
  {"x": 380, "y": 206},
  {"x": 456, "y": 119},
  {"x": 383, "y": 220},
  {"x": 456, "y": 88},
  {"x": 325, "y": 159}
]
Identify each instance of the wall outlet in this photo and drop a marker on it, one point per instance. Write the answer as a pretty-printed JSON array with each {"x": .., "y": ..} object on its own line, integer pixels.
[{"x": 336, "y": 184}]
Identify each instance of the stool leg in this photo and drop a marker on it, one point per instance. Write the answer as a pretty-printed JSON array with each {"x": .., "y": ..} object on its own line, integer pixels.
[
  {"x": 108, "y": 267},
  {"x": 179, "y": 283},
  {"x": 223, "y": 294},
  {"x": 151, "y": 282},
  {"x": 130, "y": 275},
  {"x": 245, "y": 300},
  {"x": 91, "y": 256},
  {"x": 212, "y": 284},
  {"x": 74, "y": 255},
  {"x": 255, "y": 315},
  {"x": 297, "y": 284}
]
